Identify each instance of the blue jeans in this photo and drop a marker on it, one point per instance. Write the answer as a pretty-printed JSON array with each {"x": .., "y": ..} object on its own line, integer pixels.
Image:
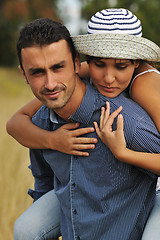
[
  {"x": 40, "y": 220},
  {"x": 152, "y": 229}
]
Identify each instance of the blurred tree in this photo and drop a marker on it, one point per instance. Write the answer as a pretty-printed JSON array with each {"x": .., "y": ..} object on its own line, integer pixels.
[
  {"x": 147, "y": 11},
  {"x": 13, "y": 14}
]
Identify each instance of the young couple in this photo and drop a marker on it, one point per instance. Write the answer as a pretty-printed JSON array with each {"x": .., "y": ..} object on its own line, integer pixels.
[{"x": 104, "y": 192}]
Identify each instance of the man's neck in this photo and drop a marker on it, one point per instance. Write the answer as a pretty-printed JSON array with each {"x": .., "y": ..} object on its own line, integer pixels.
[{"x": 74, "y": 102}]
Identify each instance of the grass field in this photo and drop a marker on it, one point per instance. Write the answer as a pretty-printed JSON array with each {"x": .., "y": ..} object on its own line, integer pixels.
[{"x": 15, "y": 177}]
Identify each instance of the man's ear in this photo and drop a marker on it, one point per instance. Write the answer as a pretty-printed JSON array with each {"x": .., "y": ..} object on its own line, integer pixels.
[
  {"x": 77, "y": 63},
  {"x": 23, "y": 74}
]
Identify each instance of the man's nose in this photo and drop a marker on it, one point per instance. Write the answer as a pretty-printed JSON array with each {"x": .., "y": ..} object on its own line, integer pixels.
[{"x": 50, "y": 81}]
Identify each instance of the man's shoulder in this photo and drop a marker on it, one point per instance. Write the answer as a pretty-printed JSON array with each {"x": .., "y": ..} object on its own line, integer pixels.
[
  {"x": 43, "y": 112},
  {"x": 140, "y": 131},
  {"x": 130, "y": 108},
  {"x": 41, "y": 117},
  {"x": 134, "y": 115}
]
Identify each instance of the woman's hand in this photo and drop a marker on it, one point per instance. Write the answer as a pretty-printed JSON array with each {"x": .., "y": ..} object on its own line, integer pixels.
[
  {"x": 115, "y": 140},
  {"x": 68, "y": 139}
]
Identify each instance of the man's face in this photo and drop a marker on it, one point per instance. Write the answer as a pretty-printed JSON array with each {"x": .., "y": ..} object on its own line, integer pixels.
[
  {"x": 50, "y": 72},
  {"x": 111, "y": 76}
]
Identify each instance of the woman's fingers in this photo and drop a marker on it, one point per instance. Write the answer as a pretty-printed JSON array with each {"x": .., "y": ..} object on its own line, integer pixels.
[{"x": 101, "y": 123}]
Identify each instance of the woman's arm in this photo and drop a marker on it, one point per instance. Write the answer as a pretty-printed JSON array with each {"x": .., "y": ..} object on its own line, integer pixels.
[
  {"x": 84, "y": 70},
  {"x": 65, "y": 139},
  {"x": 20, "y": 127},
  {"x": 115, "y": 140},
  {"x": 146, "y": 92}
]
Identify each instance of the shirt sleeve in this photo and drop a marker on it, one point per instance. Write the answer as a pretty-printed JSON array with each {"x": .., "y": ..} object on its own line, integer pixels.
[
  {"x": 146, "y": 139},
  {"x": 42, "y": 173}
]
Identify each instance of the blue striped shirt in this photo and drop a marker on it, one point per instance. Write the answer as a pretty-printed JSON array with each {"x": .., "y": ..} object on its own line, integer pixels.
[{"x": 100, "y": 197}]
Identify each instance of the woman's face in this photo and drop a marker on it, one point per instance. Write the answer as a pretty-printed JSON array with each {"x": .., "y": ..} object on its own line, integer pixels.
[{"x": 111, "y": 76}]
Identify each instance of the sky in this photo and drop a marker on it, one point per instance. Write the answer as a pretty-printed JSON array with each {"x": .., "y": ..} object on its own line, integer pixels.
[{"x": 72, "y": 15}]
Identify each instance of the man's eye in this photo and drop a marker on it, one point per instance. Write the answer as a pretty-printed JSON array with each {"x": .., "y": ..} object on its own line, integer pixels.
[
  {"x": 37, "y": 72},
  {"x": 57, "y": 67}
]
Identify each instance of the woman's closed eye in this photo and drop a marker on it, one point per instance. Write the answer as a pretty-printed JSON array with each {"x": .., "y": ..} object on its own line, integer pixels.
[{"x": 122, "y": 66}]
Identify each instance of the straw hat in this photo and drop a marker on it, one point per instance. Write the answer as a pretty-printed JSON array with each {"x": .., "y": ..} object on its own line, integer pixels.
[{"x": 116, "y": 33}]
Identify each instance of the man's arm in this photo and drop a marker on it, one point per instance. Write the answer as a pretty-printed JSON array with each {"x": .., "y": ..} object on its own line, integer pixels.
[{"x": 42, "y": 173}]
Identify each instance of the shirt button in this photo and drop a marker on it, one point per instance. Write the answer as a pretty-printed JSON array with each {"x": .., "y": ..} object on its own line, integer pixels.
[
  {"x": 75, "y": 157},
  {"x": 73, "y": 184},
  {"x": 78, "y": 238},
  {"x": 75, "y": 211}
]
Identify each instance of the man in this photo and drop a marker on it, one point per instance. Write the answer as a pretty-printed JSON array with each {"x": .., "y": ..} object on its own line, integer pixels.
[{"x": 98, "y": 195}]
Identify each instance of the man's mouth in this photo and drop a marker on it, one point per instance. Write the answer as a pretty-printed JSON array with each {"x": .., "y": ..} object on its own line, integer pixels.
[{"x": 52, "y": 95}]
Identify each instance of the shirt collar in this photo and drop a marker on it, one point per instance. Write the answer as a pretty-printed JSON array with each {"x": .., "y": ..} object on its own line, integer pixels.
[
  {"x": 85, "y": 111},
  {"x": 92, "y": 101},
  {"x": 52, "y": 116}
]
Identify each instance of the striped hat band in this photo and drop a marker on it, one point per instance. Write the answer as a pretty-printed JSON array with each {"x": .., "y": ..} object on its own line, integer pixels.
[
  {"x": 116, "y": 33},
  {"x": 120, "y": 21}
]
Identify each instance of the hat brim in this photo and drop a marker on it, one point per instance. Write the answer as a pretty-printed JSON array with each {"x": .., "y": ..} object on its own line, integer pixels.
[{"x": 109, "y": 45}]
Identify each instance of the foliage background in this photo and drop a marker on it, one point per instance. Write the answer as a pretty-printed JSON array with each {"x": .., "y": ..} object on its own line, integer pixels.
[
  {"x": 147, "y": 11},
  {"x": 14, "y": 13},
  {"x": 15, "y": 177}
]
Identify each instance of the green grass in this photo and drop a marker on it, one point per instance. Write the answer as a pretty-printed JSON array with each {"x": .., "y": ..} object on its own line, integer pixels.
[{"x": 15, "y": 177}]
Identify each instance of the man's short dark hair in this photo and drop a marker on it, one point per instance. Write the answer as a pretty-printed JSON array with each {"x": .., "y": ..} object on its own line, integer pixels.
[{"x": 43, "y": 31}]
